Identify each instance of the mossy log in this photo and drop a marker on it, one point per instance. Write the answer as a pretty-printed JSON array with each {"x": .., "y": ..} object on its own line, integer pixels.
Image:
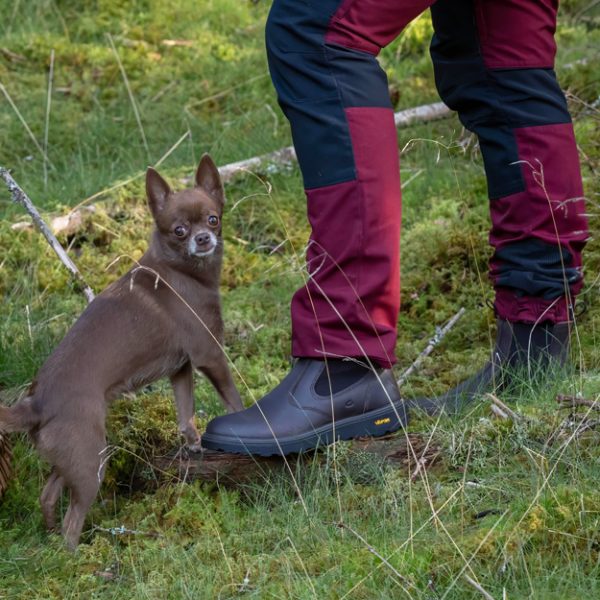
[{"x": 410, "y": 452}]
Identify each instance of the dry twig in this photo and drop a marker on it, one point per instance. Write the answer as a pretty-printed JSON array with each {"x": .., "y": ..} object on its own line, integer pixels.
[
  {"x": 433, "y": 342},
  {"x": 502, "y": 410},
  {"x": 20, "y": 197},
  {"x": 500, "y": 413},
  {"x": 566, "y": 401}
]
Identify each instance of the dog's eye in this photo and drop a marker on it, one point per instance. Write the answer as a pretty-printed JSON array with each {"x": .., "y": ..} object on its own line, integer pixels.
[
  {"x": 179, "y": 231},
  {"x": 213, "y": 221}
]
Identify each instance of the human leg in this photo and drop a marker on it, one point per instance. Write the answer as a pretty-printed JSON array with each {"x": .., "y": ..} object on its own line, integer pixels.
[
  {"x": 322, "y": 57},
  {"x": 494, "y": 65}
]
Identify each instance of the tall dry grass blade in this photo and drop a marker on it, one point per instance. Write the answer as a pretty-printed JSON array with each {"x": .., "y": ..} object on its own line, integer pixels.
[
  {"x": 404, "y": 581},
  {"x": 467, "y": 566},
  {"x": 14, "y": 13},
  {"x": 48, "y": 106},
  {"x": 303, "y": 565},
  {"x": 478, "y": 587},
  {"x": 112, "y": 188},
  {"x": 433, "y": 517},
  {"x": 25, "y": 125},
  {"x": 221, "y": 94},
  {"x": 139, "y": 175},
  {"x": 174, "y": 147},
  {"x": 134, "y": 106}
]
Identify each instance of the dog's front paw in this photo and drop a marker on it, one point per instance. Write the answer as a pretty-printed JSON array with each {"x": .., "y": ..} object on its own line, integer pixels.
[{"x": 195, "y": 447}]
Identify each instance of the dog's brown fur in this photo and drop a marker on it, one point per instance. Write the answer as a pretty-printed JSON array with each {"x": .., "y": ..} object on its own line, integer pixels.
[{"x": 162, "y": 318}]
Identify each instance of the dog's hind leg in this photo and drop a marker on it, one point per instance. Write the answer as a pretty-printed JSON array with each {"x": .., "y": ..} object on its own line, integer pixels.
[
  {"x": 83, "y": 477},
  {"x": 183, "y": 387},
  {"x": 219, "y": 375},
  {"x": 50, "y": 495}
]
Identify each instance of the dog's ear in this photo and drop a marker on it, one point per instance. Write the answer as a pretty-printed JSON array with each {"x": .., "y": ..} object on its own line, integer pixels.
[
  {"x": 157, "y": 190},
  {"x": 208, "y": 178}
]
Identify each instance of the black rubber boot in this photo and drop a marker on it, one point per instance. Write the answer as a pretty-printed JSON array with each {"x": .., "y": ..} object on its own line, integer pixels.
[
  {"x": 519, "y": 347},
  {"x": 312, "y": 407}
]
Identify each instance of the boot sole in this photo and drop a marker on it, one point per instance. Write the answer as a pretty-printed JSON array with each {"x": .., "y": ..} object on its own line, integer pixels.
[{"x": 374, "y": 424}]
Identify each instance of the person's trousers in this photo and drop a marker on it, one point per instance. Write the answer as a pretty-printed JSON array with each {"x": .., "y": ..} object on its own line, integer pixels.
[{"x": 493, "y": 63}]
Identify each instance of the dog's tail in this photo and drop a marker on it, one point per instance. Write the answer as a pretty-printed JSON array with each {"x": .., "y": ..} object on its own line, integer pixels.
[{"x": 19, "y": 417}]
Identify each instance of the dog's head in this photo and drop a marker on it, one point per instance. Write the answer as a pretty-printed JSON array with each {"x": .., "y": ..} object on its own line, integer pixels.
[{"x": 188, "y": 222}]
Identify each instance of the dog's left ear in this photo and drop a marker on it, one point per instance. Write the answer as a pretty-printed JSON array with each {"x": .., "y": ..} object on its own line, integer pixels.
[{"x": 208, "y": 178}]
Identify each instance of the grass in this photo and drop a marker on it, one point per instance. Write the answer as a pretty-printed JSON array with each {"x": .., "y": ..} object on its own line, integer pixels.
[{"x": 210, "y": 91}]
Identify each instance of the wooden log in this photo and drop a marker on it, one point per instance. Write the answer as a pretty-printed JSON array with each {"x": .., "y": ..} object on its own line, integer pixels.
[
  {"x": 5, "y": 462},
  {"x": 403, "y": 451}
]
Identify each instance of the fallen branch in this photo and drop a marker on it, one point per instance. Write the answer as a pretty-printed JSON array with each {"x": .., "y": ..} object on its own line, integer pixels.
[
  {"x": 500, "y": 413},
  {"x": 403, "y": 118},
  {"x": 20, "y": 197},
  {"x": 433, "y": 342},
  {"x": 421, "y": 114},
  {"x": 566, "y": 401},
  {"x": 502, "y": 410},
  {"x": 587, "y": 425},
  {"x": 279, "y": 157}
]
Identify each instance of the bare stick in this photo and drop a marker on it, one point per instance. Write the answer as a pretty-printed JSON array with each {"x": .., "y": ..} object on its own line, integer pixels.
[
  {"x": 421, "y": 114},
  {"x": 506, "y": 410},
  {"x": 472, "y": 582},
  {"x": 280, "y": 157},
  {"x": 500, "y": 413},
  {"x": 587, "y": 425},
  {"x": 48, "y": 105},
  {"x": 136, "y": 112},
  {"x": 433, "y": 342},
  {"x": 20, "y": 197},
  {"x": 403, "y": 118},
  {"x": 566, "y": 401}
]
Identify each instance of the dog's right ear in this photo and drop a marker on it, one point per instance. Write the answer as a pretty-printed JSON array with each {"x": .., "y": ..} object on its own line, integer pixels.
[{"x": 157, "y": 190}]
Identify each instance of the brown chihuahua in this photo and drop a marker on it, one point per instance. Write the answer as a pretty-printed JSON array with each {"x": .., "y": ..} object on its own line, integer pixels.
[{"x": 163, "y": 318}]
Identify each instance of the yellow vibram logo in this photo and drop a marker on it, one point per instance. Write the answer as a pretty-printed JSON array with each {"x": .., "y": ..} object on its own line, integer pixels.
[{"x": 382, "y": 421}]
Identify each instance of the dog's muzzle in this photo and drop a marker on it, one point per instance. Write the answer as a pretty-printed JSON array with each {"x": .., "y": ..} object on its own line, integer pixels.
[{"x": 202, "y": 243}]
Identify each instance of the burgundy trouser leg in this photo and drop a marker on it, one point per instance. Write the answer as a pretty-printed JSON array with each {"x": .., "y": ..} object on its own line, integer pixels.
[
  {"x": 494, "y": 63},
  {"x": 330, "y": 86}
]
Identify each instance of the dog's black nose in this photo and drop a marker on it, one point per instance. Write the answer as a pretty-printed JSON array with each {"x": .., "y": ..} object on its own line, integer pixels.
[{"x": 202, "y": 239}]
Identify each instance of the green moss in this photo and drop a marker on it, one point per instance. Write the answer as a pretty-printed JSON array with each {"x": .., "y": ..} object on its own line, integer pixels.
[{"x": 276, "y": 537}]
